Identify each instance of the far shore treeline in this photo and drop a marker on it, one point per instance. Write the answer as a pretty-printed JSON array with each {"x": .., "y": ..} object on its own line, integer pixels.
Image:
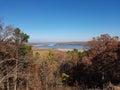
[{"x": 25, "y": 67}]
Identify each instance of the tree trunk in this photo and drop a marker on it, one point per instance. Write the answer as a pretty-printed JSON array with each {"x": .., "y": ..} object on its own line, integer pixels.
[
  {"x": 15, "y": 79},
  {"x": 27, "y": 85},
  {"x": 8, "y": 84}
]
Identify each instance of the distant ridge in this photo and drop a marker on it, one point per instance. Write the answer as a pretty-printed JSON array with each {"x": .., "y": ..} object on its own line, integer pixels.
[
  {"x": 70, "y": 43},
  {"x": 81, "y": 43}
]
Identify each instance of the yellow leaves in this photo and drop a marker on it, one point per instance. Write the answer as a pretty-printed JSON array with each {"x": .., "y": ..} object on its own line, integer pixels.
[{"x": 65, "y": 75}]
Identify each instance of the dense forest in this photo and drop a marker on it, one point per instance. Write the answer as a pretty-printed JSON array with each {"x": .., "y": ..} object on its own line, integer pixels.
[{"x": 24, "y": 68}]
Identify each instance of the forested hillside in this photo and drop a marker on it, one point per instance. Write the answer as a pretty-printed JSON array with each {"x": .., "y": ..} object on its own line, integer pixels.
[{"x": 24, "y": 67}]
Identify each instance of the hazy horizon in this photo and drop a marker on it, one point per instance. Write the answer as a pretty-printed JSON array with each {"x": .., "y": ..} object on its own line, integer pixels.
[{"x": 62, "y": 20}]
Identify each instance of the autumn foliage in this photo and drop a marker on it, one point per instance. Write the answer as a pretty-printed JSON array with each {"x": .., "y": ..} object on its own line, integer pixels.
[{"x": 23, "y": 68}]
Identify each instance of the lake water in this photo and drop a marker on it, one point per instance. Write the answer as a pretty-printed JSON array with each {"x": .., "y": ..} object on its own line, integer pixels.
[{"x": 64, "y": 47}]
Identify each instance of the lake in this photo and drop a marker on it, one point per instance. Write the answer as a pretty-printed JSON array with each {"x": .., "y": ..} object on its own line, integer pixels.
[{"x": 63, "y": 47}]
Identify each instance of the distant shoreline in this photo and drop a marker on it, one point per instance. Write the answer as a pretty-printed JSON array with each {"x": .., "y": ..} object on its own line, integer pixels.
[
  {"x": 65, "y": 50},
  {"x": 35, "y": 48}
]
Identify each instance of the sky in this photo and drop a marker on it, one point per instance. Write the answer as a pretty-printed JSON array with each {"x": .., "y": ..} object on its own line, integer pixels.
[{"x": 62, "y": 20}]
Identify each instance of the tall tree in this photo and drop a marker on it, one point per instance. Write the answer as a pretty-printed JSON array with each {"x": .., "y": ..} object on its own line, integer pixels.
[
  {"x": 20, "y": 37},
  {"x": 104, "y": 57}
]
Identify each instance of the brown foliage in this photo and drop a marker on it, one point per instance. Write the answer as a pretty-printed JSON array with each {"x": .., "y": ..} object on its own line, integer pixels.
[{"x": 104, "y": 43}]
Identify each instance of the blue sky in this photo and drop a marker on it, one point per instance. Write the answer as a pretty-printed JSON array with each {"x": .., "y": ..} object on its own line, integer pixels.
[{"x": 62, "y": 20}]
